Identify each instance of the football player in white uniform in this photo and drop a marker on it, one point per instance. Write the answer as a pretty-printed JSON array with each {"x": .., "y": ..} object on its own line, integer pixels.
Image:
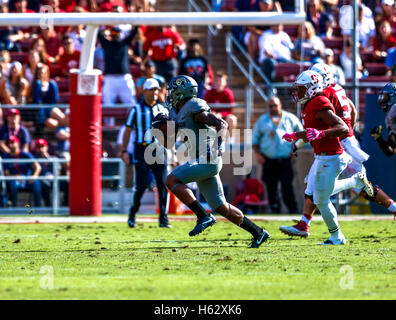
[{"x": 346, "y": 111}]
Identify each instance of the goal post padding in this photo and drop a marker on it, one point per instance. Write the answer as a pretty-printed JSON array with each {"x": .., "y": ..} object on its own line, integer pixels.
[{"x": 85, "y": 190}]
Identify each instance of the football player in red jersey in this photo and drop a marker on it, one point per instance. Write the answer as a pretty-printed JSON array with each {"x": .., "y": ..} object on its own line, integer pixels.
[
  {"x": 346, "y": 110},
  {"x": 323, "y": 128}
]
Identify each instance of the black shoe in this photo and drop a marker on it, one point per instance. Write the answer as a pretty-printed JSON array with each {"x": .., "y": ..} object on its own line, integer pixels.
[
  {"x": 165, "y": 225},
  {"x": 202, "y": 224},
  {"x": 257, "y": 241},
  {"x": 131, "y": 223}
]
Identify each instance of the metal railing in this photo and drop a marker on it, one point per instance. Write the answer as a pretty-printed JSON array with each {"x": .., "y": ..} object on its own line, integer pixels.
[
  {"x": 55, "y": 179},
  {"x": 117, "y": 106},
  {"x": 252, "y": 65}
]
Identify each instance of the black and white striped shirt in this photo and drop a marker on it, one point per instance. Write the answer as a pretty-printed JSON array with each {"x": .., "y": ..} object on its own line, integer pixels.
[{"x": 140, "y": 117}]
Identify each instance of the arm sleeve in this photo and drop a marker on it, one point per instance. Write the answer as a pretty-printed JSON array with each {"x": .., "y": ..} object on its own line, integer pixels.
[
  {"x": 131, "y": 117},
  {"x": 132, "y": 34},
  {"x": 37, "y": 94},
  {"x": 120, "y": 135},
  {"x": 102, "y": 39},
  {"x": 177, "y": 38}
]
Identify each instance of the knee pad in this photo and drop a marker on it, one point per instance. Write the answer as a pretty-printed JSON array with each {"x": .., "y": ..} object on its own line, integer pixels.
[{"x": 367, "y": 197}]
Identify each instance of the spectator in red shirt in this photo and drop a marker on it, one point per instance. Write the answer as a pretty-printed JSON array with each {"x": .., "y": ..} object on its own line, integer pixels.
[
  {"x": 383, "y": 41},
  {"x": 162, "y": 45},
  {"x": 220, "y": 93},
  {"x": 52, "y": 42},
  {"x": 70, "y": 58}
]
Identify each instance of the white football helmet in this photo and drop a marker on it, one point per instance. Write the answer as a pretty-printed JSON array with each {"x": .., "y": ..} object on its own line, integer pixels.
[
  {"x": 307, "y": 85},
  {"x": 325, "y": 71}
]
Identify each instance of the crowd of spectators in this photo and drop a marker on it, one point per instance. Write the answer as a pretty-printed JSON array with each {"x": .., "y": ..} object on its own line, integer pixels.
[
  {"x": 35, "y": 62},
  {"x": 326, "y": 27},
  {"x": 34, "y": 69}
]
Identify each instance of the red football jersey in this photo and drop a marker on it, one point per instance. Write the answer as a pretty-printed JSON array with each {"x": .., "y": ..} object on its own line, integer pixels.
[
  {"x": 325, "y": 146},
  {"x": 337, "y": 96}
]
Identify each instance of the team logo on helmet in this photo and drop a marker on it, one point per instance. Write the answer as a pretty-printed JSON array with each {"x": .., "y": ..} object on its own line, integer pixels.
[
  {"x": 387, "y": 96},
  {"x": 180, "y": 88},
  {"x": 307, "y": 85},
  {"x": 326, "y": 73}
]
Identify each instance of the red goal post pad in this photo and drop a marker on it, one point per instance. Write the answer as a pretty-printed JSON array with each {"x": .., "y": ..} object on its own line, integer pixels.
[{"x": 85, "y": 188}]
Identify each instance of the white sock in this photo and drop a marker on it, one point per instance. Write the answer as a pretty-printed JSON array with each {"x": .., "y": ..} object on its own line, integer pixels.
[
  {"x": 392, "y": 207},
  {"x": 348, "y": 183},
  {"x": 337, "y": 235},
  {"x": 329, "y": 214}
]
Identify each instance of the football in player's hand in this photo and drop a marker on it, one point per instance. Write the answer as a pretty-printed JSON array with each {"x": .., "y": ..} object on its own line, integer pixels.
[{"x": 160, "y": 122}]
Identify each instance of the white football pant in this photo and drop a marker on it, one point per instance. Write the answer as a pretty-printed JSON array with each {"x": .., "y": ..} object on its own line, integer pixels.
[{"x": 327, "y": 170}]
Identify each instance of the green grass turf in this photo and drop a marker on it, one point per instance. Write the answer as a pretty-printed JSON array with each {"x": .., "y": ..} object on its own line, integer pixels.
[{"x": 111, "y": 261}]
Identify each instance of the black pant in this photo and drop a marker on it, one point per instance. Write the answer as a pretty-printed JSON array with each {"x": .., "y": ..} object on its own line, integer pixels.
[
  {"x": 275, "y": 170},
  {"x": 46, "y": 189},
  {"x": 167, "y": 68},
  {"x": 141, "y": 183}
]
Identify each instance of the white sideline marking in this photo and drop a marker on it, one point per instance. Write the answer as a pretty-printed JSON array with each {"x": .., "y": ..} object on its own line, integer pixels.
[{"x": 152, "y": 218}]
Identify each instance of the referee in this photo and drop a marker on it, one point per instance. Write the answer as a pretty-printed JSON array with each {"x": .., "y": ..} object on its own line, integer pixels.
[{"x": 139, "y": 119}]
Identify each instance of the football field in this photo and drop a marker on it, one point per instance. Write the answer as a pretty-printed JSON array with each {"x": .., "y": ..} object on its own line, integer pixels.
[{"x": 111, "y": 261}]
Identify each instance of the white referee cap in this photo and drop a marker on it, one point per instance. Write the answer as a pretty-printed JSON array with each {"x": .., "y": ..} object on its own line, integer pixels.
[{"x": 150, "y": 83}]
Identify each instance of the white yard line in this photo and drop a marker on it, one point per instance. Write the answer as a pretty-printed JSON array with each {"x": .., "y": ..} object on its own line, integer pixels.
[{"x": 152, "y": 218}]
